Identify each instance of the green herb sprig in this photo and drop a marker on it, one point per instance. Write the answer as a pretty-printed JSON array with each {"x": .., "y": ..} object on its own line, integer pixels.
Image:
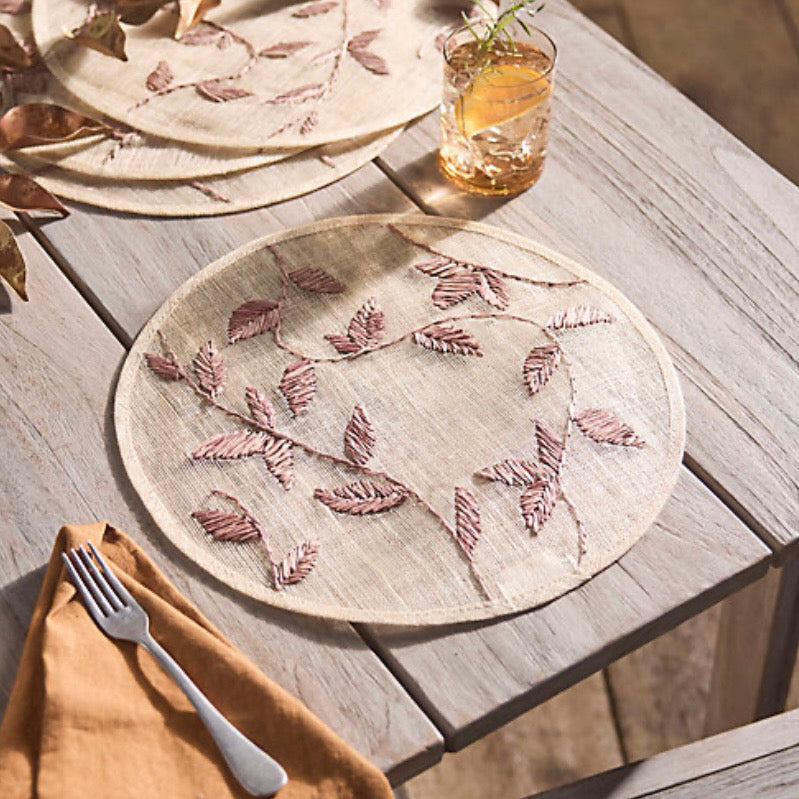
[{"x": 498, "y": 30}]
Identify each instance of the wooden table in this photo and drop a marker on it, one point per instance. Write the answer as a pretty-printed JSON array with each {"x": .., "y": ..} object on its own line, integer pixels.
[{"x": 641, "y": 186}]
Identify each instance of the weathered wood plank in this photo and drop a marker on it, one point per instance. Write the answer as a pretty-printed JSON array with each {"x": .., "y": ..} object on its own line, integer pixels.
[
  {"x": 59, "y": 464},
  {"x": 693, "y": 227}
]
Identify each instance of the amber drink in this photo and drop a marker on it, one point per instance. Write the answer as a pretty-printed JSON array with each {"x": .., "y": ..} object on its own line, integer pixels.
[{"x": 495, "y": 109}]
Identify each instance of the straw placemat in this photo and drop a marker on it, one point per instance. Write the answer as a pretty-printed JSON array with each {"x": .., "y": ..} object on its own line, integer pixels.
[
  {"x": 347, "y": 68},
  {"x": 221, "y": 194},
  {"x": 405, "y": 420}
]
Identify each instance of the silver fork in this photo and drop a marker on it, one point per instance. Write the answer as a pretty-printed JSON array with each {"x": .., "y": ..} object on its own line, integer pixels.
[{"x": 119, "y": 615}]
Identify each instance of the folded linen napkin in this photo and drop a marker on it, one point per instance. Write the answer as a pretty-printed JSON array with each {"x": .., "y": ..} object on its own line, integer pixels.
[{"x": 92, "y": 717}]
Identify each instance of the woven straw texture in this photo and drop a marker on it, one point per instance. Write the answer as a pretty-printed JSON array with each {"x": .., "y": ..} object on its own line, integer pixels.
[
  {"x": 585, "y": 445},
  {"x": 335, "y": 86}
]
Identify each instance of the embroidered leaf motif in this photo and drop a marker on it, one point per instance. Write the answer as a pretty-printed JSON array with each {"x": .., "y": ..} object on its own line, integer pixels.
[
  {"x": 439, "y": 266},
  {"x": 298, "y": 564},
  {"x": 210, "y": 369},
  {"x": 200, "y": 37},
  {"x": 310, "y": 278},
  {"x": 261, "y": 408},
  {"x": 209, "y": 192},
  {"x": 21, "y": 193},
  {"x": 539, "y": 366},
  {"x": 359, "y": 437},
  {"x": 363, "y": 39},
  {"x": 165, "y": 368},
  {"x": 537, "y": 503},
  {"x": 12, "y": 264},
  {"x": 367, "y": 326},
  {"x": 226, "y": 526},
  {"x": 101, "y": 32},
  {"x": 309, "y": 123},
  {"x": 224, "y": 41},
  {"x": 578, "y": 316},
  {"x": 605, "y": 427},
  {"x": 360, "y": 498},
  {"x": 314, "y": 9},
  {"x": 519, "y": 474},
  {"x": 550, "y": 450},
  {"x": 251, "y": 319},
  {"x": 309, "y": 91},
  {"x": 298, "y": 385},
  {"x": 493, "y": 290},
  {"x": 467, "y": 520},
  {"x": 279, "y": 458},
  {"x": 192, "y": 13},
  {"x": 160, "y": 77},
  {"x": 369, "y": 60},
  {"x": 325, "y": 56},
  {"x": 455, "y": 288},
  {"x": 283, "y": 49},
  {"x": 231, "y": 446},
  {"x": 220, "y": 92},
  {"x": 13, "y": 55},
  {"x": 343, "y": 344},
  {"x": 447, "y": 339}
]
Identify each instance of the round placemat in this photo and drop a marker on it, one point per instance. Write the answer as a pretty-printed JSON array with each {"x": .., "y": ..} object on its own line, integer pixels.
[
  {"x": 400, "y": 420},
  {"x": 271, "y": 74}
]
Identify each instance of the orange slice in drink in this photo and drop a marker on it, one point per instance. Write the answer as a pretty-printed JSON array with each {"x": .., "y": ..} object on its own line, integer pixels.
[{"x": 498, "y": 94}]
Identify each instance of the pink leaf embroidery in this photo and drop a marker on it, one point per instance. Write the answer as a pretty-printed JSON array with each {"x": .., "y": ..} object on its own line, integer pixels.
[
  {"x": 251, "y": 319},
  {"x": 224, "y": 41},
  {"x": 550, "y": 450},
  {"x": 309, "y": 91},
  {"x": 298, "y": 385},
  {"x": 261, "y": 409},
  {"x": 343, "y": 344},
  {"x": 160, "y": 77},
  {"x": 493, "y": 290},
  {"x": 209, "y": 192},
  {"x": 359, "y": 437},
  {"x": 220, "y": 92},
  {"x": 200, "y": 37},
  {"x": 279, "y": 458},
  {"x": 283, "y": 49},
  {"x": 605, "y": 427},
  {"x": 447, "y": 339},
  {"x": 210, "y": 369},
  {"x": 369, "y": 60},
  {"x": 231, "y": 446},
  {"x": 309, "y": 123},
  {"x": 298, "y": 564},
  {"x": 467, "y": 520},
  {"x": 310, "y": 278},
  {"x": 325, "y": 56},
  {"x": 440, "y": 266},
  {"x": 360, "y": 498},
  {"x": 578, "y": 316},
  {"x": 511, "y": 472},
  {"x": 314, "y": 9},
  {"x": 455, "y": 288},
  {"x": 367, "y": 326},
  {"x": 537, "y": 503},
  {"x": 539, "y": 366},
  {"x": 362, "y": 40},
  {"x": 226, "y": 526},
  {"x": 165, "y": 368}
]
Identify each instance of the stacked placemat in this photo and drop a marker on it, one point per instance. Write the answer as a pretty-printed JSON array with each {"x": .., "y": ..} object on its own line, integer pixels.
[{"x": 256, "y": 103}]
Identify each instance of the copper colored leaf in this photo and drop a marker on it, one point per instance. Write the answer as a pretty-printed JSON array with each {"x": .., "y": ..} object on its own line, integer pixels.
[
  {"x": 12, "y": 264},
  {"x": 467, "y": 520},
  {"x": 251, "y": 319},
  {"x": 102, "y": 33},
  {"x": 537, "y": 503},
  {"x": 210, "y": 369},
  {"x": 550, "y": 450},
  {"x": 231, "y": 446},
  {"x": 493, "y": 290},
  {"x": 368, "y": 325},
  {"x": 15, "y": 6},
  {"x": 165, "y": 368},
  {"x": 308, "y": 91},
  {"x": 192, "y": 13},
  {"x": 137, "y": 12},
  {"x": 283, "y": 49},
  {"x": 226, "y": 526},
  {"x": 220, "y": 92},
  {"x": 43, "y": 123},
  {"x": 511, "y": 472},
  {"x": 455, "y": 288},
  {"x": 314, "y": 9},
  {"x": 578, "y": 316},
  {"x": 540, "y": 365},
  {"x": 343, "y": 344},
  {"x": 160, "y": 77},
  {"x": 371, "y": 61},
  {"x": 359, "y": 437},
  {"x": 298, "y": 564},
  {"x": 261, "y": 408},
  {"x": 363, "y": 497},
  {"x": 362, "y": 40},
  {"x": 447, "y": 339},
  {"x": 298, "y": 385},
  {"x": 13, "y": 55},
  {"x": 311, "y": 278},
  {"x": 279, "y": 458},
  {"x": 21, "y": 193},
  {"x": 605, "y": 427}
]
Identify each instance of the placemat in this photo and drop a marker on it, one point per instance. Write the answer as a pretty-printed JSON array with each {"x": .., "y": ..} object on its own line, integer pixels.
[
  {"x": 394, "y": 419},
  {"x": 287, "y": 74},
  {"x": 207, "y": 196}
]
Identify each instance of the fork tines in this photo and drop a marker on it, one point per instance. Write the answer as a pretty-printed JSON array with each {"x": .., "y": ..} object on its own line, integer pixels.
[{"x": 100, "y": 589}]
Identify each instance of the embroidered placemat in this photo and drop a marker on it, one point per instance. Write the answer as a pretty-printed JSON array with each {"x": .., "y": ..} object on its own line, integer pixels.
[
  {"x": 272, "y": 74},
  {"x": 398, "y": 419}
]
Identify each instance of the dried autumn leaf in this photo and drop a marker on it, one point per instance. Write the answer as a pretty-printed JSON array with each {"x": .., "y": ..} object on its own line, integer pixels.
[
  {"x": 231, "y": 446},
  {"x": 537, "y": 503},
  {"x": 21, "y": 193},
  {"x": 311, "y": 278},
  {"x": 315, "y": 9},
  {"x": 550, "y": 450},
  {"x": 210, "y": 369},
  {"x": 102, "y": 33},
  {"x": 44, "y": 123},
  {"x": 578, "y": 316},
  {"x": 540, "y": 365},
  {"x": 251, "y": 319},
  {"x": 368, "y": 325},
  {"x": 447, "y": 339},
  {"x": 363, "y": 39},
  {"x": 298, "y": 385},
  {"x": 12, "y": 264},
  {"x": 279, "y": 459},
  {"x": 221, "y": 92},
  {"x": 371, "y": 61},
  {"x": 166, "y": 368},
  {"x": 455, "y": 288},
  {"x": 227, "y": 526},
  {"x": 298, "y": 564},
  {"x": 605, "y": 427},
  {"x": 137, "y": 12},
  {"x": 192, "y": 13},
  {"x": 160, "y": 77},
  {"x": 13, "y": 56},
  {"x": 519, "y": 474},
  {"x": 359, "y": 437},
  {"x": 261, "y": 408},
  {"x": 308, "y": 91},
  {"x": 363, "y": 497},
  {"x": 467, "y": 520},
  {"x": 283, "y": 49}
]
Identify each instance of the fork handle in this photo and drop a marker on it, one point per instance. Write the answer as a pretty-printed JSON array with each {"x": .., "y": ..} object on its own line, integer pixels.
[{"x": 258, "y": 773}]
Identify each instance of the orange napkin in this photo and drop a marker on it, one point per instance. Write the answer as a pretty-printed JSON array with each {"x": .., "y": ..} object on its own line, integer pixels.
[{"x": 92, "y": 717}]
